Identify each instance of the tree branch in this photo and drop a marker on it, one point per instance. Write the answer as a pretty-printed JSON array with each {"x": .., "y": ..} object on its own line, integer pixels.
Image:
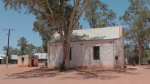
[
  {"x": 78, "y": 17},
  {"x": 147, "y": 38},
  {"x": 52, "y": 14},
  {"x": 76, "y": 3}
]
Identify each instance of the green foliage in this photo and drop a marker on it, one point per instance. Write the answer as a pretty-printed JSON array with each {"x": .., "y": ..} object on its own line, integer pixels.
[
  {"x": 61, "y": 9},
  {"x": 98, "y": 15},
  {"x": 146, "y": 56},
  {"x": 30, "y": 49},
  {"x": 133, "y": 11},
  {"x": 9, "y": 58},
  {"x": 45, "y": 29},
  {"x": 61, "y": 15},
  {"x": 130, "y": 53},
  {"x": 22, "y": 42},
  {"x": 12, "y": 51},
  {"x": 27, "y": 49},
  {"x": 39, "y": 50},
  {"x": 136, "y": 16}
]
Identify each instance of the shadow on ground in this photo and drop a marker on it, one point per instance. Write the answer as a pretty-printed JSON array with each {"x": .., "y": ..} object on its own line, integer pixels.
[
  {"x": 35, "y": 73},
  {"x": 103, "y": 74}
]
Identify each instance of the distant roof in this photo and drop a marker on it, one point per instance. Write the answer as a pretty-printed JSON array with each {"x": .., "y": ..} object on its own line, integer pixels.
[
  {"x": 93, "y": 34},
  {"x": 41, "y": 55},
  {"x": 14, "y": 57},
  {"x": 2, "y": 56}
]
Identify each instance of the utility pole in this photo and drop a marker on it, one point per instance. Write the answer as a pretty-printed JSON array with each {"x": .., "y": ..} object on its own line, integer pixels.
[{"x": 7, "y": 46}]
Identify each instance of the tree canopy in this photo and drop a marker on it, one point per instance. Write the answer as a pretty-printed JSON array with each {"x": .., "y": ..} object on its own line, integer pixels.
[
  {"x": 45, "y": 30},
  {"x": 12, "y": 51},
  {"x": 59, "y": 13},
  {"x": 136, "y": 16},
  {"x": 98, "y": 15},
  {"x": 22, "y": 42}
]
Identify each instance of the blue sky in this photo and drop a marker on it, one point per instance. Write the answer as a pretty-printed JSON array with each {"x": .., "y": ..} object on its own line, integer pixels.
[{"x": 23, "y": 23}]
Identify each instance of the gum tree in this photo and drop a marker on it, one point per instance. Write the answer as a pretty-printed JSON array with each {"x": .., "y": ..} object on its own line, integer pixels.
[
  {"x": 59, "y": 13},
  {"x": 137, "y": 18},
  {"x": 98, "y": 15}
]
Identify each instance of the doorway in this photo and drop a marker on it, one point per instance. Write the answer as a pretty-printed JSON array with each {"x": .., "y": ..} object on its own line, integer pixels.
[{"x": 32, "y": 62}]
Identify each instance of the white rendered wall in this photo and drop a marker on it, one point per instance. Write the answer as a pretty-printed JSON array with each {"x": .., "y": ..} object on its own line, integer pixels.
[{"x": 82, "y": 54}]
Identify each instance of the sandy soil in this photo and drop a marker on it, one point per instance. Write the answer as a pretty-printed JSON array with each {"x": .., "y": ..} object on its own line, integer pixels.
[{"x": 38, "y": 75}]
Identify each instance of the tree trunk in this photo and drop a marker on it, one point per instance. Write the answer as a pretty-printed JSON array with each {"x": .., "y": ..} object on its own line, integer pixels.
[
  {"x": 66, "y": 49},
  {"x": 140, "y": 54}
]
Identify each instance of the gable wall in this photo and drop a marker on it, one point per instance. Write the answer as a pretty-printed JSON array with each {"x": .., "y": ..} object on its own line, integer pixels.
[{"x": 119, "y": 45}]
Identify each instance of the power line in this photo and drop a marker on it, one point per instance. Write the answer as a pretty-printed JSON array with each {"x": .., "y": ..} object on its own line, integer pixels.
[{"x": 8, "y": 45}]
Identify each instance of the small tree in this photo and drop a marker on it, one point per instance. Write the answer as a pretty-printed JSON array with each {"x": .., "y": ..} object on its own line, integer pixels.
[
  {"x": 12, "y": 51},
  {"x": 22, "y": 42}
]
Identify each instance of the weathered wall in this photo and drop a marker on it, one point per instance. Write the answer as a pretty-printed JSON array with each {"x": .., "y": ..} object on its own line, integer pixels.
[
  {"x": 35, "y": 62},
  {"x": 82, "y": 54},
  {"x": 119, "y": 50},
  {"x": 26, "y": 61},
  {"x": 111, "y": 45},
  {"x": 23, "y": 61}
]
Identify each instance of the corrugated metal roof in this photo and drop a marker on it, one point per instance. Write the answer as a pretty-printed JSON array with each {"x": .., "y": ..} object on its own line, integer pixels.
[
  {"x": 1, "y": 58},
  {"x": 92, "y": 34},
  {"x": 15, "y": 57},
  {"x": 41, "y": 55}
]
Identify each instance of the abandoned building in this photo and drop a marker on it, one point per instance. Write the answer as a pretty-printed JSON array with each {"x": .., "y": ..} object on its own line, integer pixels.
[
  {"x": 96, "y": 47},
  {"x": 28, "y": 61}
]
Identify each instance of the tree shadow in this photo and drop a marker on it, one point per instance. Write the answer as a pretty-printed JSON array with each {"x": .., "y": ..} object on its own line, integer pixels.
[
  {"x": 40, "y": 72},
  {"x": 101, "y": 74},
  {"x": 77, "y": 37}
]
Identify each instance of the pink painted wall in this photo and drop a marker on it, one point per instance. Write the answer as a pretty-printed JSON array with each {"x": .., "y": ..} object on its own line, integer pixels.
[{"x": 27, "y": 62}]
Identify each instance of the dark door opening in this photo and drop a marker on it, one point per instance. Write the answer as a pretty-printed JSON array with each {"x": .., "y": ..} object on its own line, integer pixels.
[
  {"x": 22, "y": 60},
  {"x": 32, "y": 61}
]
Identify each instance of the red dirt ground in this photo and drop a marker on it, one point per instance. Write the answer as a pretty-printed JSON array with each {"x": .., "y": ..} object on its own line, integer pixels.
[{"x": 37, "y": 75}]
